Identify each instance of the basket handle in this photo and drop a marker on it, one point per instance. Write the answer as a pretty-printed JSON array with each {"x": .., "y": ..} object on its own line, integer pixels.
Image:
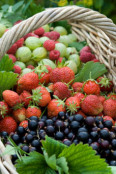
[{"x": 72, "y": 13}]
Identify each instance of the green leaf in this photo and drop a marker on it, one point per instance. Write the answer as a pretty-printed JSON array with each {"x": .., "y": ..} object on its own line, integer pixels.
[
  {"x": 7, "y": 80},
  {"x": 5, "y": 7},
  {"x": 16, "y": 6},
  {"x": 50, "y": 171},
  {"x": 51, "y": 161},
  {"x": 113, "y": 168},
  {"x": 81, "y": 159},
  {"x": 9, "y": 150},
  {"x": 6, "y": 64},
  {"x": 62, "y": 163},
  {"x": 96, "y": 69},
  {"x": 98, "y": 4},
  {"x": 52, "y": 146},
  {"x": 33, "y": 164},
  {"x": 78, "y": 45},
  {"x": 26, "y": 6}
]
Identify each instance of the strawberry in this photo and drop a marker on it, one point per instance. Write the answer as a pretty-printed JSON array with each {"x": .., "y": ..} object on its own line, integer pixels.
[
  {"x": 105, "y": 84},
  {"x": 95, "y": 60},
  {"x": 109, "y": 108},
  {"x": 28, "y": 81},
  {"x": 4, "y": 109},
  {"x": 43, "y": 72},
  {"x": 59, "y": 60},
  {"x": 112, "y": 95},
  {"x": 33, "y": 111},
  {"x": 11, "y": 98},
  {"x": 20, "y": 42},
  {"x": 40, "y": 31},
  {"x": 17, "y": 69},
  {"x": 64, "y": 74},
  {"x": 85, "y": 49},
  {"x": 72, "y": 104},
  {"x": 106, "y": 118},
  {"x": 51, "y": 87},
  {"x": 54, "y": 107},
  {"x": 30, "y": 67},
  {"x": 13, "y": 49},
  {"x": 91, "y": 105},
  {"x": 30, "y": 35},
  {"x": 80, "y": 96},
  {"x": 91, "y": 87},
  {"x": 8, "y": 124},
  {"x": 11, "y": 56},
  {"x": 86, "y": 56},
  {"x": 61, "y": 90},
  {"x": 19, "y": 114},
  {"x": 24, "y": 124},
  {"x": 102, "y": 98},
  {"x": 77, "y": 86},
  {"x": 25, "y": 97},
  {"x": 40, "y": 96}
]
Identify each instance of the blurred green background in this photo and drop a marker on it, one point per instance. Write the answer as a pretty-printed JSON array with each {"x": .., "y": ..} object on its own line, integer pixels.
[{"x": 26, "y": 8}]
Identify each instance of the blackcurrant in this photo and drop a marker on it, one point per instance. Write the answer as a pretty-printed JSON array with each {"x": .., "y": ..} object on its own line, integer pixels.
[
  {"x": 21, "y": 130},
  {"x": 29, "y": 138},
  {"x": 4, "y": 134},
  {"x": 16, "y": 138},
  {"x": 33, "y": 118},
  {"x": 49, "y": 122},
  {"x": 90, "y": 121},
  {"x": 83, "y": 136},
  {"x": 79, "y": 118},
  {"x": 71, "y": 136},
  {"x": 32, "y": 124},
  {"x": 113, "y": 142},
  {"x": 36, "y": 143},
  {"x": 94, "y": 135},
  {"x": 112, "y": 163},
  {"x": 25, "y": 148},
  {"x": 41, "y": 124},
  {"x": 61, "y": 115},
  {"x": 74, "y": 125},
  {"x": 108, "y": 124},
  {"x": 67, "y": 142},
  {"x": 50, "y": 130},
  {"x": 104, "y": 134},
  {"x": 59, "y": 136}
]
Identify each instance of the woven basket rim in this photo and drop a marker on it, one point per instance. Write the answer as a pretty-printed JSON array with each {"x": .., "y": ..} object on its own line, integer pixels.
[{"x": 79, "y": 18}]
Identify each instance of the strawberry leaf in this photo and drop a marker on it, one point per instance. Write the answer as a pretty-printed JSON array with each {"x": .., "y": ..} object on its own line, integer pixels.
[
  {"x": 95, "y": 69},
  {"x": 62, "y": 165},
  {"x": 82, "y": 159},
  {"x": 6, "y": 64},
  {"x": 52, "y": 146},
  {"x": 113, "y": 168},
  {"x": 7, "y": 80},
  {"x": 33, "y": 164}
]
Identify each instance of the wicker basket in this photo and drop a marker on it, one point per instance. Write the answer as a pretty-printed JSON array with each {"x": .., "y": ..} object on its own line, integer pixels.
[{"x": 89, "y": 25}]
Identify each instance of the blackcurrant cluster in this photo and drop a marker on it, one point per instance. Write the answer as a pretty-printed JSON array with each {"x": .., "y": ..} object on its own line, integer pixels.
[{"x": 99, "y": 134}]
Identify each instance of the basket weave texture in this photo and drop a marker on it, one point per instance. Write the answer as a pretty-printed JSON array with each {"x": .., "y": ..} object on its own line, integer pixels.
[{"x": 89, "y": 25}]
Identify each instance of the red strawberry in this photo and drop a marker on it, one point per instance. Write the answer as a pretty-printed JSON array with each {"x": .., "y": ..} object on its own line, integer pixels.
[
  {"x": 91, "y": 105},
  {"x": 19, "y": 114},
  {"x": 33, "y": 111},
  {"x": 91, "y": 87},
  {"x": 8, "y": 124},
  {"x": 54, "y": 35},
  {"x": 30, "y": 35},
  {"x": 13, "y": 49},
  {"x": 105, "y": 84},
  {"x": 64, "y": 74},
  {"x": 43, "y": 72},
  {"x": 54, "y": 107},
  {"x": 51, "y": 87},
  {"x": 4, "y": 109},
  {"x": 41, "y": 96},
  {"x": 86, "y": 56},
  {"x": 20, "y": 42},
  {"x": 85, "y": 49},
  {"x": 102, "y": 98},
  {"x": 112, "y": 95},
  {"x": 54, "y": 55},
  {"x": 17, "y": 69},
  {"x": 40, "y": 31},
  {"x": 77, "y": 86},
  {"x": 95, "y": 60},
  {"x": 11, "y": 56},
  {"x": 28, "y": 81},
  {"x": 24, "y": 124},
  {"x": 30, "y": 67},
  {"x": 106, "y": 118},
  {"x": 109, "y": 108},
  {"x": 11, "y": 98},
  {"x": 49, "y": 45},
  {"x": 61, "y": 90},
  {"x": 25, "y": 97},
  {"x": 72, "y": 104},
  {"x": 80, "y": 96},
  {"x": 59, "y": 60}
]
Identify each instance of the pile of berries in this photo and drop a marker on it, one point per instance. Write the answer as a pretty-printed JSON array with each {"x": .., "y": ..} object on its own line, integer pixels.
[{"x": 99, "y": 133}]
